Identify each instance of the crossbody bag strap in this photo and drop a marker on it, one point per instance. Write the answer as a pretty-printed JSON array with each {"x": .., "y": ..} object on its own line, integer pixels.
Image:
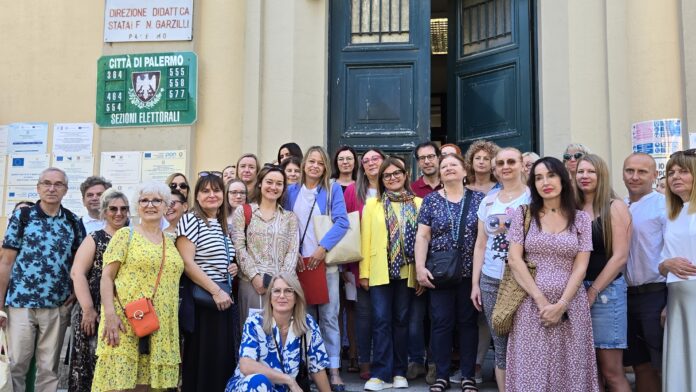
[
  {"x": 465, "y": 212},
  {"x": 159, "y": 274},
  {"x": 229, "y": 259},
  {"x": 311, "y": 210}
]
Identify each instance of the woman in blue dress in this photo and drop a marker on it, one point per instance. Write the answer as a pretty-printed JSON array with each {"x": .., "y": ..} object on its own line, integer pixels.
[{"x": 280, "y": 340}]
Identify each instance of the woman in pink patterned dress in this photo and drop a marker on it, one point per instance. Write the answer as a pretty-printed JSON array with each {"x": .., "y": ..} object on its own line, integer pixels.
[{"x": 551, "y": 347}]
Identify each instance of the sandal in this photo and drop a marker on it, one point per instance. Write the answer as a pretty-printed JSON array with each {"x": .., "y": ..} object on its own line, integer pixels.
[
  {"x": 439, "y": 385},
  {"x": 469, "y": 385},
  {"x": 353, "y": 366}
]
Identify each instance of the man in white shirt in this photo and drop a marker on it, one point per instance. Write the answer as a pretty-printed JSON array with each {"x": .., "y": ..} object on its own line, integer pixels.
[
  {"x": 647, "y": 292},
  {"x": 92, "y": 189}
]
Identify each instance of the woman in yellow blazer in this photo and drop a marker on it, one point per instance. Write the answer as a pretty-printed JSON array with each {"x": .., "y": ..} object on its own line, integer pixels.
[{"x": 388, "y": 271}]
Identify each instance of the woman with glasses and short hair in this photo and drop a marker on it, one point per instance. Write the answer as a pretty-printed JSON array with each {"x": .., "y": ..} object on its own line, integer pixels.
[
  {"x": 207, "y": 318},
  {"x": 132, "y": 262},
  {"x": 572, "y": 155},
  {"x": 269, "y": 244},
  {"x": 86, "y": 274},
  {"x": 528, "y": 159},
  {"x": 280, "y": 342},
  {"x": 678, "y": 259}
]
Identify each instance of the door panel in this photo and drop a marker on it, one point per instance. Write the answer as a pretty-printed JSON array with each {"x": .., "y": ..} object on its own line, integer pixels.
[
  {"x": 491, "y": 73},
  {"x": 379, "y": 94}
]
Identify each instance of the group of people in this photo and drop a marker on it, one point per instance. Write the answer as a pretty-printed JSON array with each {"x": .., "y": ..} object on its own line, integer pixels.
[{"x": 219, "y": 269}]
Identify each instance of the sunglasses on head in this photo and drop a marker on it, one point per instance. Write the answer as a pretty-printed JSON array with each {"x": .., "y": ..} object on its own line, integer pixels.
[
  {"x": 272, "y": 166},
  {"x": 577, "y": 155},
  {"x": 183, "y": 186},
  {"x": 690, "y": 152},
  {"x": 206, "y": 173}
]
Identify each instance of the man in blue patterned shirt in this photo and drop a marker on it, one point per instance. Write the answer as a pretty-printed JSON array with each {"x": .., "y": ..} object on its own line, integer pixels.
[{"x": 35, "y": 288}]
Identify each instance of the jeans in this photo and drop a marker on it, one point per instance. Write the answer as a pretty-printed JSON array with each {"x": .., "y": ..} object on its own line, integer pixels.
[
  {"x": 363, "y": 325},
  {"x": 416, "y": 333},
  {"x": 448, "y": 307},
  {"x": 327, "y": 315},
  {"x": 390, "y": 303}
]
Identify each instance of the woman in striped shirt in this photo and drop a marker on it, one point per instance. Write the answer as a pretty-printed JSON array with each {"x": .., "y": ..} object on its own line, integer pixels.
[{"x": 209, "y": 344}]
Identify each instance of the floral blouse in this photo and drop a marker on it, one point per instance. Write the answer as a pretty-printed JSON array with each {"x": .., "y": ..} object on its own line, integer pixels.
[
  {"x": 434, "y": 213},
  {"x": 259, "y": 346},
  {"x": 268, "y": 246}
]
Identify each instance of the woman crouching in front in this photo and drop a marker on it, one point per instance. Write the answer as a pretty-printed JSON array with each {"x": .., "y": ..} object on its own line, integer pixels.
[{"x": 281, "y": 344}]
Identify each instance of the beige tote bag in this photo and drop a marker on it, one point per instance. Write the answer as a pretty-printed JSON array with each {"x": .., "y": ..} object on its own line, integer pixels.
[{"x": 347, "y": 250}]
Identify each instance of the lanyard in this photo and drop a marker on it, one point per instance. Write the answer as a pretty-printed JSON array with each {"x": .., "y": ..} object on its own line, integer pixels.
[{"x": 455, "y": 229}]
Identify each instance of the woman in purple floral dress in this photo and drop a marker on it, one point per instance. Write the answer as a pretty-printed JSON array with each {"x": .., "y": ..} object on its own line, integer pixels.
[{"x": 551, "y": 347}]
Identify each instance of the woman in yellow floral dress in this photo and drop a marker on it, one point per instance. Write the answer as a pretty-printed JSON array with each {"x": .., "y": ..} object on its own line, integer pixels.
[{"x": 131, "y": 264}]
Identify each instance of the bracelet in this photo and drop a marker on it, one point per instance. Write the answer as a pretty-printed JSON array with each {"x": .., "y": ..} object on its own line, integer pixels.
[
  {"x": 594, "y": 288},
  {"x": 564, "y": 302}
]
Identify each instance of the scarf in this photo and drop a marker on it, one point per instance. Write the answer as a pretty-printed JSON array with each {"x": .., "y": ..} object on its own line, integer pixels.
[{"x": 401, "y": 238}]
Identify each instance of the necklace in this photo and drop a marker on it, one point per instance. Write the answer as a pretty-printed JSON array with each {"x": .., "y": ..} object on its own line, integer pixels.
[{"x": 455, "y": 229}]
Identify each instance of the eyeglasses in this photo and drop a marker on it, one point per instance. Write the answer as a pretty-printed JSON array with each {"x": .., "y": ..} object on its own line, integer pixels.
[
  {"x": 237, "y": 193},
  {"x": 510, "y": 162},
  {"x": 181, "y": 185},
  {"x": 690, "y": 152},
  {"x": 49, "y": 184},
  {"x": 395, "y": 175},
  {"x": 153, "y": 202},
  {"x": 345, "y": 159},
  {"x": 173, "y": 203},
  {"x": 577, "y": 155},
  {"x": 206, "y": 173},
  {"x": 374, "y": 159},
  {"x": 114, "y": 209},
  {"x": 424, "y": 158},
  {"x": 286, "y": 292},
  {"x": 529, "y": 165}
]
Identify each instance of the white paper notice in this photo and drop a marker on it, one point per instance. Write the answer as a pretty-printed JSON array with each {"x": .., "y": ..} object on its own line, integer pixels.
[
  {"x": 157, "y": 165},
  {"x": 692, "y": 140},
  {"x": 73, "y": 139},
  {"x": 24, "y": 169},
  {"x": 122, "y": 167},
  {"x": 129, "y": 191},
  {"x": 15, "y": 194},
  {"x": 73, "y": 201},
  {"x": 3, "y": 139},
  {"x": 3, "y": 166},
  {"x": 27, "y": 138},
  {"x": 77, "y": 167}
]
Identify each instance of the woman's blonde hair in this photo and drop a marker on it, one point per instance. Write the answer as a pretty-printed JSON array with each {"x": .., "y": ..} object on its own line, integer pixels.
[
  {"x": 299, "y": 312},
  {"x": 480, "y": 145},
  {"x": 674, "y": 202},
  {"x": 601, "y": 201},
  {"x": 325, "y": 180}
]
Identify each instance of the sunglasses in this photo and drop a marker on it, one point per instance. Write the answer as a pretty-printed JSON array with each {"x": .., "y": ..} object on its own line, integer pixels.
[
  {"x": 182, "y": 185},
  {"x": 690, "y": 152},
  {"x": 577, "y": 155},
  {"x": 206, "y": 173},
  {"x": 502, "y": 162},
  {"x": 114, "y": 209}
]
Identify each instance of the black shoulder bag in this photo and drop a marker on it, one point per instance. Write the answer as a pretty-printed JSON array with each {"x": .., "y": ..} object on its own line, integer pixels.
[
  {"x": 446, "y": 267},
  {"x": 201, "y": 296},
  {"x": 302, "y": 378}
]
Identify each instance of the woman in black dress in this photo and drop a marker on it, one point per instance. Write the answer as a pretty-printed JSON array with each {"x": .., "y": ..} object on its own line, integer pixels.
[{"x": 86, "y": 274}]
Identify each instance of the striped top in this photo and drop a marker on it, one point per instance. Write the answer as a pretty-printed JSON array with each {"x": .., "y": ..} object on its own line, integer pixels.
[{"x": 209, "y": 239}]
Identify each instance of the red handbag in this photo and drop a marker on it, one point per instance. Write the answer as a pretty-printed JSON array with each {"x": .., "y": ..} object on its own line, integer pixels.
[{"x": 141, "y": 314}]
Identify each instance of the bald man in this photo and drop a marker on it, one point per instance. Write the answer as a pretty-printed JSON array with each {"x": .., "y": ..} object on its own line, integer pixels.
[{"x": 647, "y": 293}]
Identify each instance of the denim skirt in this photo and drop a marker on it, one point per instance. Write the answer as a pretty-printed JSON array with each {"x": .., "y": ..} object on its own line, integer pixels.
[{"x": 609, "y": 316}]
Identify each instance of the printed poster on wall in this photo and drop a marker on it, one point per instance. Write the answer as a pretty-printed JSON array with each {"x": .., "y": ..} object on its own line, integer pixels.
[
  {"x": 4, "y": 129},
  {"x": 659, "y": 138},
  {"x": 148, "y": 20},
  {"x": 15, "y": 194},
  {"x": 73, "y": 139},
  {"x": 3, "y": 166},
  {"x": 25, "y": 169},
  {"x": 158, "y": 165},
  {"x": 27, "y": 138},
  {"x": 121, "y": 167},
  {"x": 77, "y": 167}
]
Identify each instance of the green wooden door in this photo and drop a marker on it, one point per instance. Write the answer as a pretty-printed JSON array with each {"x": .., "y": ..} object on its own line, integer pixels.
[
  {"x": 490, "y": 89},
  {"x": 379, "y": 74}
]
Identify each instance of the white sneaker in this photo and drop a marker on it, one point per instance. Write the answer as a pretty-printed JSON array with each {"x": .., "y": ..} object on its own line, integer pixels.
[
  {"x": 400, "y": 382},
  {"x": 456, "y": 377},
  {"x": 375, "y": 384}
]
